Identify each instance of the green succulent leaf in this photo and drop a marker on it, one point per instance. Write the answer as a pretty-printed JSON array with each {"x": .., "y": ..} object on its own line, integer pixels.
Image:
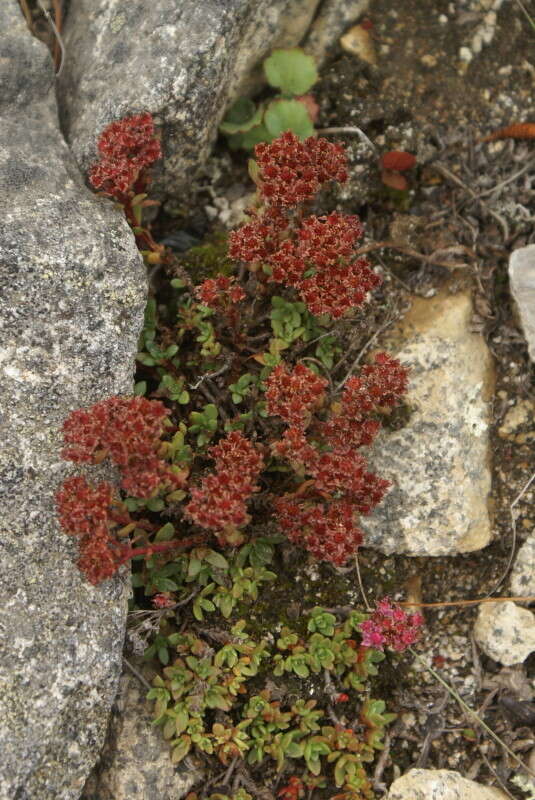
[
  {"x": 291, "y": 70},
  {"x": 241, "y": 117}
]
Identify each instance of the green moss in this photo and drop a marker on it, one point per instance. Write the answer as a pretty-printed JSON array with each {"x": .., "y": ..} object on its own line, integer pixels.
[{"x": 208, "y": 259}]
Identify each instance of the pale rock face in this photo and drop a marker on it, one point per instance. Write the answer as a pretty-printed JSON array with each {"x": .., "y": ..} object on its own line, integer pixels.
[
  {"x": 505, "y": 632},
  {"x": 438, "y": 463},
  {"x": 523, "y": 572},
  {"x": 440, "y": 784},
  {"x": 185, "y": 62},
  {"x": 73, "y": 292},
  {"x": 522, "y": 283},
  {"x": 135, "y": 762}
]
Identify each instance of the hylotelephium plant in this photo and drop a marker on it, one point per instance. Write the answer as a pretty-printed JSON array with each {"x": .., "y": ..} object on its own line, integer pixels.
[{"x": 233, "y": 443}]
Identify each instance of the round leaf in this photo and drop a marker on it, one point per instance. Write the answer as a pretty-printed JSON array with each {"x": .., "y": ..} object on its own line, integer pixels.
[
  {"x": 239, "y": 123},
  {"x": 255, "y": 136},
  {"x": 288, "y": 115},
  {"x": 291, "y": 71}
]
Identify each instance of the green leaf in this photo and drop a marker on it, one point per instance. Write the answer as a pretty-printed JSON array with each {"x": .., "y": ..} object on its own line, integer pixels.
[
  {"x": 291, "y": 70},
  {"x": 165, "y": 533},
  {"x": 155, "y": 504},
  {"x": 241, "y": 117},
  {"x": 226, "y": 604},
  {"x": 194, "y": 567},
  {"x": 255, "y": 136},
  {"x": 165, "y": 585},
  {"x": 288, "y": 115},
  {"x": 216, "y": 560},
  {"x": 140, "y": 388},
  {"x": 181, "y": 750},
  {"x": 163, "y": 655}
]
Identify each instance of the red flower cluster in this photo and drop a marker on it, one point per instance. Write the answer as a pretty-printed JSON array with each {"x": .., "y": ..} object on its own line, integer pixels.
[
  {"x": 218, "y": 292},
  {"x": 325, "y": 246},
  {"x": 292, "y": 171},
  {"x": 295, "y": 449},
  {"x": 381, "y": 384},
  {"x": 162, "y": 601},
  {"x": 328, "y": 532},
  {"x": 340, "y": 477},
  {"x": 89, "y": 514},
  {"x": 294, "y": 395},
  {"x": 128, "y": 430},
  {"x": 342, "y": 472},
  {"x": 259, "y": 239},
  {"x": 294, "y": 789},
  {"x": 390, "y": 626},
  {"x": 219, "y": 504},
  {"x": 126, "y": 147},
  {"x": 317, "y": 258}
]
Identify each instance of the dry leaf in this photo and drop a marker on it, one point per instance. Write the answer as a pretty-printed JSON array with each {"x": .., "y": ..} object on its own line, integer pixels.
[{"x": 520, "y": 130}]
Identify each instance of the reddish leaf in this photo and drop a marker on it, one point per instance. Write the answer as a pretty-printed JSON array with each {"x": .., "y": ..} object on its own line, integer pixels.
[
  {"x": 398, "y": 160},
  {"x": 520, "y": 130},
  {"x": 311, "y": 106},
  {"x": 394, "y": 180}
]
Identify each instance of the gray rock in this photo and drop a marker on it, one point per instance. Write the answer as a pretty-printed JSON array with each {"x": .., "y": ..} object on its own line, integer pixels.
[
  {"x": 73, "y": 291},
  {"x": 439, "y": 462},
  {"x": 184, "y": 62},
  {"x": 135, "y": 762},
  {"x": 505, "y": 632},
  {"x": 332, "y": 20},
  {"x": 522, "y": 282},
  {"x": 440, "y": 784},
  {"x": 523, "y": 573}
]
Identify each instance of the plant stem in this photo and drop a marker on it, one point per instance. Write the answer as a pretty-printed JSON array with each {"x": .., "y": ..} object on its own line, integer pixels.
[{"x": 160, "y": 547}]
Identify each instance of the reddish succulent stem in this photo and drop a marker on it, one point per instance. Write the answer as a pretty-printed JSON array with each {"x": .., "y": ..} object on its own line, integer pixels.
[{"x": 161, "y": 547}]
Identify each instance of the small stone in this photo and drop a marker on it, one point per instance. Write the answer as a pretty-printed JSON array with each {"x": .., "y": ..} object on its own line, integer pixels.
[
  {"x": 465, "y": 54},
  {"x": 522, "y": 283},
  {"x": 523, "y": 574},
  {"x": 429, "y": 61},
  {"x": 505, "y": 632},
  {"x": 440, "y": 784},
  {"x": 443, "y": 19},
  {"x": 517, "y": 416},
  {"x": 358, "y": 42}
]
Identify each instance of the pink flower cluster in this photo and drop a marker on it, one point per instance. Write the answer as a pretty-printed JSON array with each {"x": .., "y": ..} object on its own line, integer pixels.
[
  {"x": 219, "y": 504},
  {"x": 316, "y": 257},
  {"x": 219, "y": 292},
  {"x": 128, "y": 430},
  {"x": 90, "y": 513},
  {"x": 322, "y": 515},
  {"x": 390, "y": 626},
  {"x": 126, "y": 147}
]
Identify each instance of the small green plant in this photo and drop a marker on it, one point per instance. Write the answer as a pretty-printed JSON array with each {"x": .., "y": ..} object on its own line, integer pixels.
[
  {"x": 204, "y": 680},
  {"x": 293, "y": 73}
]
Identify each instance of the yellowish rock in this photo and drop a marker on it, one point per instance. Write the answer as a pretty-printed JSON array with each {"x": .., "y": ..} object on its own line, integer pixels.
[{"x": 358, "y": 42}]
